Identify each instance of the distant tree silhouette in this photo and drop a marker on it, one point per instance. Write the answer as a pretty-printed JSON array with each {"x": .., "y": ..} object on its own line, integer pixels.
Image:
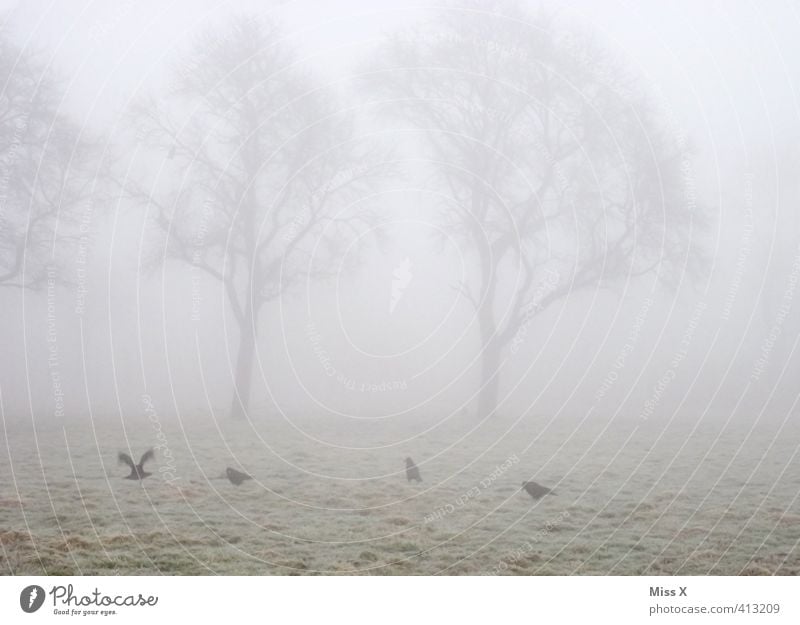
[
  {"x": 45, "y": 171},
  {"x": 560, "y": 174},
  {"x": 258, "y": 163}
]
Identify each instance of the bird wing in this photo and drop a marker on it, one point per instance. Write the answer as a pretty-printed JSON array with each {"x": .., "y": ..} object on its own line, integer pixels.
[
  {"x": 124, "y": 458},
  {"x": 148, "y": 455}
]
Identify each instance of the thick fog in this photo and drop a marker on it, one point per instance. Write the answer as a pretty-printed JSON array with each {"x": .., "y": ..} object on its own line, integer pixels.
[{"x": 388, "y": 211}]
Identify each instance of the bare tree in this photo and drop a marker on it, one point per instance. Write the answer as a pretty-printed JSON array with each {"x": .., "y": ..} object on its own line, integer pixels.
[
  {"x": 45, "y": 171},
  {"x": 259, "y": 166},
  {"x": 559, "y": 172}
]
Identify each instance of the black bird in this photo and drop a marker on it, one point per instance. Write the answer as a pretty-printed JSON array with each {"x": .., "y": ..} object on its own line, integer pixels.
[
  {"x": 236, "y": 477},
  {"x": 412, "y": 471},
  {"x": 537, "y": 491},
  {"x": 137, "y": 470}
]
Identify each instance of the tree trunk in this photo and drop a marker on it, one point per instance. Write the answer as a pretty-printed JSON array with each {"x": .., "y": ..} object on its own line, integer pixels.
[
  {"x": 488, "y": 395},
  {"x": 244, "y": 370},
  {"x": 491, "y": 346}
]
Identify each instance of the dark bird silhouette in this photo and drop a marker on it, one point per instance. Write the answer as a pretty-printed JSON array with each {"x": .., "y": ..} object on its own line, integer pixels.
[
  {"x": 137, "y": 470},
  {"x": 537, "y": 491},
  {"x": 236, "y": 477},
  {"x": 412, "y": 471}
]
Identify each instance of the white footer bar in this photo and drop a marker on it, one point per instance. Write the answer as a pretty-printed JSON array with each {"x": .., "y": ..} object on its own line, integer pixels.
[{"x": 406, "y": 600}]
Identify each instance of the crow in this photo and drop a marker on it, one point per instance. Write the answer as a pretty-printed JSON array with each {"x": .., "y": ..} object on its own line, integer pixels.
[
  {"x": 537, "y": 491},
  {"x": 412, "y": 471},
  {"x": 137, "y": 470},
  {"x": 236, "y": 477}
]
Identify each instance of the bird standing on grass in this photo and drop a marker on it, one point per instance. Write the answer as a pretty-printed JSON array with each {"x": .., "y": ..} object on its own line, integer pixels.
[
  {"x": 537, "y": 491},
  {"x": 412, "y": 471},
  {"x": 236, "y": 477},
  {"x": 137, "y": 470}
]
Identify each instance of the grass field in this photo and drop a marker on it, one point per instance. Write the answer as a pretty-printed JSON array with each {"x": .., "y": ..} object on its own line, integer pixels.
[{"x": 330, "y": 497}]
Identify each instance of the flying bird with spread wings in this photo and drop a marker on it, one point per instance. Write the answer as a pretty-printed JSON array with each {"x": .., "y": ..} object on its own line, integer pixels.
[{"x": 137, "y": 470}]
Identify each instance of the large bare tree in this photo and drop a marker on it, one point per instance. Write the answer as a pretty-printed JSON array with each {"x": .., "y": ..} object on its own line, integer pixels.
[
  {"x": 561, "y": 176},
  {"x": 46, "y": 171},
  {"x": 260, "y": 166}
]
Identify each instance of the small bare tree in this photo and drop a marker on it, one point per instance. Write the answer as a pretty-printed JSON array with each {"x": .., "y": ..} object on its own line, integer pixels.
[
  {"x": 559, "y": 172},
  {"x": 45, "y": 171},
  {"x": 260, "y": 169}
]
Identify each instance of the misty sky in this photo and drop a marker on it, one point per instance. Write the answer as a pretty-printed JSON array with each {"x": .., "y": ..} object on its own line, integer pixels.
[{"x": 725, "y": 74}]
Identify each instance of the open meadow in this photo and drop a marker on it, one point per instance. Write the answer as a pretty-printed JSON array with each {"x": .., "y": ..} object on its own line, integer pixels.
[{"x": 631, "y": 498}]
